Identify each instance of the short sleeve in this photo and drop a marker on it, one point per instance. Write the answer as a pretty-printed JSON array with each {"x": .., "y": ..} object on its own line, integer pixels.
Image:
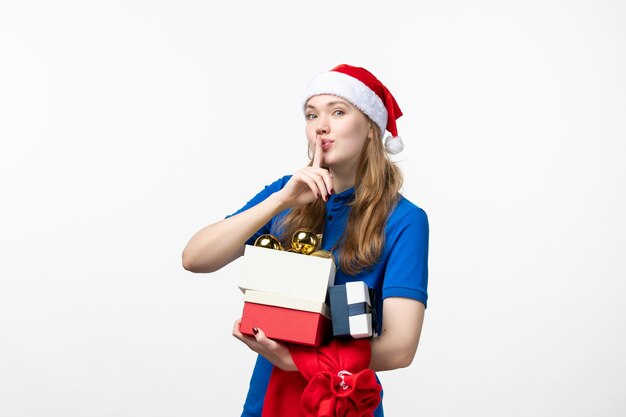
[
  {"x": 406, "y": 272},
  {"x": 261, "y": 196}
]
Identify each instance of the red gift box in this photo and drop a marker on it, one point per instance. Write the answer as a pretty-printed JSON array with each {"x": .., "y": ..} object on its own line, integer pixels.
[{"x": 286, "y": 324}]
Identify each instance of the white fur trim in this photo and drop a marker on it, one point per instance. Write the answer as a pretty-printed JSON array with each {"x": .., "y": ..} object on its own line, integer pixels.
[
  {"x": 349, "y": 88},
  {"x": 394, "y": 144}
]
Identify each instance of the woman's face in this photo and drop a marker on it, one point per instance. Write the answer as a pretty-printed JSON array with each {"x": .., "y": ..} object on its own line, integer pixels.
[{"x": 342, "y": 127}]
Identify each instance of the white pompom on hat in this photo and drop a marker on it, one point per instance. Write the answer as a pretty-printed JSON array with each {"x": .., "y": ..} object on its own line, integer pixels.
[{"x": 365, "y": 92}]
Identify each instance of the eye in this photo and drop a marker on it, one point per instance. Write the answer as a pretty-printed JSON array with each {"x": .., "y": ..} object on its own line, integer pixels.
[
  {"x": 310, "y": 116},
  {"x": 339, "y": 112}
]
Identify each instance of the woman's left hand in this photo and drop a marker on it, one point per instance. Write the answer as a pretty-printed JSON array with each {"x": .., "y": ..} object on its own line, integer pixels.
[{"x": 277, "y": 353}]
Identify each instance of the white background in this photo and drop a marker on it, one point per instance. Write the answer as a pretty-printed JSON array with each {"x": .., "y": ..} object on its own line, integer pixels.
[{"x": 126, "y": 126}]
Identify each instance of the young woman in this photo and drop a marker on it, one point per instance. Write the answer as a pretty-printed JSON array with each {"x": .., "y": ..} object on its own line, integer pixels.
[{"x": 349, "y": 192}]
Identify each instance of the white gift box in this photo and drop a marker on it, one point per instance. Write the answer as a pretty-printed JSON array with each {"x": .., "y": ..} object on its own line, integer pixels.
[
  {"x": 289, "y": 274},
  {"x": 278, "y": 300},
  {"x": 351, "y": 310}
]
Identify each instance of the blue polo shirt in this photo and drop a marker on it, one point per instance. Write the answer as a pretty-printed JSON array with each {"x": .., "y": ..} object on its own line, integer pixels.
[{"x": 402, "y": 270}]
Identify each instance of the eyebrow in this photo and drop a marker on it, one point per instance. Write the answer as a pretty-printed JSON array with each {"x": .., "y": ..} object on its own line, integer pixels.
[{"x": 329, "y": 104}]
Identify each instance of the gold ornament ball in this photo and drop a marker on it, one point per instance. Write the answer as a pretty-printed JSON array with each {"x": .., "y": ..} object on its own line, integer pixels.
[
  {"x": 305, "y": 241},
  {"x": 268, "y": 241}
]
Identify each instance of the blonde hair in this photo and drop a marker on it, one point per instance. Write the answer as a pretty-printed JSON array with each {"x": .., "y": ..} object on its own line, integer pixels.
[{"x": 377, "y": 190}]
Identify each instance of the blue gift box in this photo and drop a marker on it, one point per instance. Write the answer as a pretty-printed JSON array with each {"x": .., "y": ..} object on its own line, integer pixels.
[{"x": 351, "y": 310}]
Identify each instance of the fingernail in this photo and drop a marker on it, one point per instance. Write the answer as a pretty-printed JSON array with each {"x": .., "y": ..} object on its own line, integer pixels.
[
  {"x": 326, "y": 198},
  {"x": 255, "y": 330},
  {"x": 332, "y": 191},
  {"x": 318, "y": 195}
]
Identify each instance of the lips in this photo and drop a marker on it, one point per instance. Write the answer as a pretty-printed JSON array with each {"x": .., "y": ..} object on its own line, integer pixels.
[{"x": 326, "y": 144}]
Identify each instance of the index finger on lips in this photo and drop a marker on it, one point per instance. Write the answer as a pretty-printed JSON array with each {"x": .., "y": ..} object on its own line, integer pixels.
[{"x": 319, "y": 152}]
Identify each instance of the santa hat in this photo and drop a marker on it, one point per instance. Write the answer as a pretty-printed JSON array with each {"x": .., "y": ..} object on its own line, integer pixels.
[{"x": 365, "y": 92}]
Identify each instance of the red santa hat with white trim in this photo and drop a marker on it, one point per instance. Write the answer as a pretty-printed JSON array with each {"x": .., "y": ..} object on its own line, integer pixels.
[{"x": 365, "y": 92}]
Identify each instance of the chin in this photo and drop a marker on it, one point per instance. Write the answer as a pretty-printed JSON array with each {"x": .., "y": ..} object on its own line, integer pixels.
[{"x": 330, "y": 161}]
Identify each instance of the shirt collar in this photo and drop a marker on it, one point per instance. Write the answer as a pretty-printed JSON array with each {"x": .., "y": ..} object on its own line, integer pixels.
[{"x": 341, "y": 199}]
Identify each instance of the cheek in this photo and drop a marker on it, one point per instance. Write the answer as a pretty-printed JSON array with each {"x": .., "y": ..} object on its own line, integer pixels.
[
  {"x": 357, "y": 129},
  {"x": 357, "y": 135},
  {"x": 310, "y": 141}
]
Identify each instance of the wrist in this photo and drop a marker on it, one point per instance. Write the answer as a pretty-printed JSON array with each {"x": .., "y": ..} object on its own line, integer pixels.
[{"x": 278, "y": 201}]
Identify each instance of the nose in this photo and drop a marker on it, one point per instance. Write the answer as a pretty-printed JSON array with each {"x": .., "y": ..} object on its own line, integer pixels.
[{"x": 322, "y": 126}]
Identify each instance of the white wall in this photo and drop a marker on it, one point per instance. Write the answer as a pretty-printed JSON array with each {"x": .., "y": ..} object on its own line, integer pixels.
[{"x": 126, "y": 126}]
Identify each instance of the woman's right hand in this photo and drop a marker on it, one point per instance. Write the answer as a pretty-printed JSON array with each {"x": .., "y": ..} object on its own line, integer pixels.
[
  {"x": 222, "y": 242},
  {"x": 308, "y": 183}
]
